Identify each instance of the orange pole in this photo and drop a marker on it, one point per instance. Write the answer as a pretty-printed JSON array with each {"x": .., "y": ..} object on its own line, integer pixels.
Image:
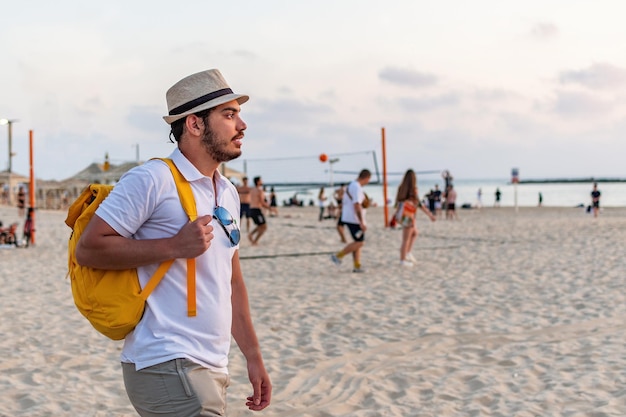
[
  {"x": 386, "y": 210},
  {"x": 32, "y": 188}
]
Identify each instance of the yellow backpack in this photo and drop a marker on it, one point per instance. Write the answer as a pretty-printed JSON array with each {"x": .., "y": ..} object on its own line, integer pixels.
[{"x": 112, "y": 300}]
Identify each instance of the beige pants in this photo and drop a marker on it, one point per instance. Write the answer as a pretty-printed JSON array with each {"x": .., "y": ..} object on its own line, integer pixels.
[{"x": 177, "y": 388}]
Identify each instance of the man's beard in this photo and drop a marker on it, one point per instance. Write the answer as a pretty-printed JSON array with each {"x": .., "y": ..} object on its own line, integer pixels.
[{"x": 217, "y": 149}]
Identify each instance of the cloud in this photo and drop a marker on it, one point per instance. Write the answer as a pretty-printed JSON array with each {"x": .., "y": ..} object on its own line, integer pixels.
[
  {"x": 495, "y": 95},
  {"x": 145, "y": 118},
  {"x": 428, "y": 103},
  {"x": 407, "y": 78},
  {"x": 597, "y": 76},
  {"x": 246, "y": 54},
  {"x": 286, "y": 112},
  {"x": 519, "y": 127},
  {"x": 571, "y": 103},
  {"x": 283, "y": 123},
  {"x": 89, "y": 107},
  {"x": 544, "y": 31}
]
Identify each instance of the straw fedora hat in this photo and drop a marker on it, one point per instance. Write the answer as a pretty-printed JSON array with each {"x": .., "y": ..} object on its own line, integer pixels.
[{"x": 201, "y": 91}]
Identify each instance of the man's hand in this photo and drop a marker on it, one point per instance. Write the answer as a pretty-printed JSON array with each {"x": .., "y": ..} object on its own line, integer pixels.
[
  {"x": 194, "y": 238},
  {"x": 261, "y": 385}
]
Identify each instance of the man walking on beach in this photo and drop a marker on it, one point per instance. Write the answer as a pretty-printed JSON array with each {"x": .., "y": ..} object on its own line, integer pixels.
[
  {"x": 353, "y": 216},
  {"x": 437, "y": 198},
  {"x": 451, "y": 203},
  {"x": 257, "y": 203},
  {"x": 244, "y": 191},
  {"x": 173, "y": 364},
  {"x": 339, "y": 193},
  {"x": 595, "y": 199}
]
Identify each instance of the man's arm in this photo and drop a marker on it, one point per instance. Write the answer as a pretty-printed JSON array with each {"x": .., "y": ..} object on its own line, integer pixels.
[
  {"x": 358, "y": 211},
  {"x": 245, "y": 336},
  {"x": 263, "y": 200},
  {"x": 426, "y": 211},
  {"x": 100, "y": 246},
  {"x": 358, "y": 207}
]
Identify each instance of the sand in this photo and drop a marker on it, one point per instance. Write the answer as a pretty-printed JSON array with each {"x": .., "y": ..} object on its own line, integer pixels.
[{"x": 507, "y": 314}]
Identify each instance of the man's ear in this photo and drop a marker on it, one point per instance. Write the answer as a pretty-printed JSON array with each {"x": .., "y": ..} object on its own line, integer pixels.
[{"x": 194, "y": 124}]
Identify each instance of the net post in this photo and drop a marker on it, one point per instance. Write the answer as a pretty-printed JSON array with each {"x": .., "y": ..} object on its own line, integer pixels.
[{"x": 384, "y": 152}]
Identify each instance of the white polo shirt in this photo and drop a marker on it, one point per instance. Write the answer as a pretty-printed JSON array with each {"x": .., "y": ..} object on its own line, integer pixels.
[
  {"x": 145, "y": 205},
  {"x": 354, "y": 193}
]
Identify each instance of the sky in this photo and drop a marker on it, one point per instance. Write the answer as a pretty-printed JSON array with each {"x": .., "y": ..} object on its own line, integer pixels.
[{"x": 477, "y": 88}]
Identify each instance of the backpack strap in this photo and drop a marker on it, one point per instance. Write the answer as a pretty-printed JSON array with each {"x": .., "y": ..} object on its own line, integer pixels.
[
  {"x": 155, "y": 279},
  {"x": 350, "y": 196},
  {"x": 189, "y": 205},
  {"x": 184, "y": 190}
]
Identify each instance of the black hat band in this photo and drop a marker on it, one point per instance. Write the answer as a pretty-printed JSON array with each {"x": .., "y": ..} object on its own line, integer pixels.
[{"x": 198, "y": 101}]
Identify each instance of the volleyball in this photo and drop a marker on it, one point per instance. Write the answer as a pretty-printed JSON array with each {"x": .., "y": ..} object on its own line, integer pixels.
[{"x": 323, "y": 157}]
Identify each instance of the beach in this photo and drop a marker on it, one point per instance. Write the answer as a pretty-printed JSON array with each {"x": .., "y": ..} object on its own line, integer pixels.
[{"x": 508, "y": 313}]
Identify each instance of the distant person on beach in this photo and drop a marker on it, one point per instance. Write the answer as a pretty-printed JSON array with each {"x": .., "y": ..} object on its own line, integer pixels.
[
  {"x": 244, "y": 201},
  {"x": 331, "y": 210},
  {"x": 174, "y": 364},
  {"x": 273, "y": 203},
  {"x": 540, "y": 199},
  {"x": 437, "y": 197},
  {"x": 8, "y": 235},
  {"x": 353, "y": 216},
  {"x": 28, "y": 226},
  {"x": 447, "y": 179},
  {"x": 293, "y": 201},
  {"x": 595, "y": 199},
  {"x": 479, "y": 198},
  {"x": 21, "y": 201},
  {"x": 451, "y": 213},
  {"x": 431, "y": 200},
  {"x": 498, "y": 195},
  {"x": 407, "y": 203},
  {"x": 321, "y": 202},
  {"x": 258, "y": 202},
  {"x": 339, "y": 192}
]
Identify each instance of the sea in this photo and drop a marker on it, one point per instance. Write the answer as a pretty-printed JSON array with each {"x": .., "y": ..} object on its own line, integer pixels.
[{"x": 555, "y": 194}]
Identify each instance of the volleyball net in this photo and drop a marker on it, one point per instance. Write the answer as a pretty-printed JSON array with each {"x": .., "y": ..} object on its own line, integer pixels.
[{"x": 310, "y": 171}]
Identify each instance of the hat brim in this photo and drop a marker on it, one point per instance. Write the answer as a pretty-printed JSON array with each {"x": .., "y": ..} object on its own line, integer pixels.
[{"x": 241, "y": 98}]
